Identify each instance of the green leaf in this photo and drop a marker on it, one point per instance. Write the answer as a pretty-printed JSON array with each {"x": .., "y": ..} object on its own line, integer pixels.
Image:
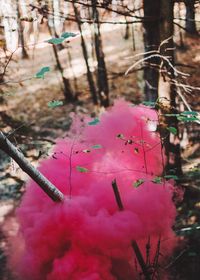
[
  {"x": 172, "y": 129},
  {"x": 82, "y": 169},
  {"x": 157, "y": 180},
  {"x": 138, "y": 183},
  {"x": 96, "y": 147},
  {"x": 192, "y": 113},
  {"x": 171, "y": 115},
  {"x": 192, "y": 254},
  {"x": 174, "y": 177},
  {"x": 55, "y": 103},
  {"x": 94, "y": 122},
  {"x": 68, "y": 35},
  {"x": 187, "y": 118},
  {"x": 43, "y": 70},
  {"x": 55, "y": 41},
  {"x": 149, "y": 103}
]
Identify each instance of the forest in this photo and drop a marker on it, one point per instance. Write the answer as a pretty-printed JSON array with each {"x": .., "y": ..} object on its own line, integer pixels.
[{"x": 99, "y": 139}]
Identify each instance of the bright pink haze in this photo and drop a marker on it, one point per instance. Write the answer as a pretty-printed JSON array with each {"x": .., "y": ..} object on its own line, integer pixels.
[{"x": 86, "y": 237}]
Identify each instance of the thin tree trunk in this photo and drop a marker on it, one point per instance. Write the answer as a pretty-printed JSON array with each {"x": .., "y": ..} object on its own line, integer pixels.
[
  {"x": 166, "y": 90},
  {"x": 190, "y": 16},
  {"x": 102, "y": 78},
  {"x": 21, "y": 34},
  {"x": 3, "y": 47},
  {"x": 151, "y": 42},
  {"x": 133, "y": 37},
  {"x": 55, "y": 6},
  {"x": 127, "y": 30},
  {"x": 158, "y": 25},
  {"x": 68, "y": 93},
  {"x": 72, "y": 70},
  {"x": 85, "y": 55}
]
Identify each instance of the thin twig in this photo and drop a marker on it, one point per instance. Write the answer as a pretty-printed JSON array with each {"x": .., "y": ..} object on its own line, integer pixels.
[
  {"x": 117, "y": 195},
  {"x": 134, "y": 244}
]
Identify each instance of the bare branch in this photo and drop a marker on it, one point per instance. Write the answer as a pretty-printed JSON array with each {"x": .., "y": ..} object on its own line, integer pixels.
[{"x": 27, "y": 167}]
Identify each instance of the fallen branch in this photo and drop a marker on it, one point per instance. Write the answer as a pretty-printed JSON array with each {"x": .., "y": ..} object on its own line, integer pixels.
[{"x": 27, "y": 167}]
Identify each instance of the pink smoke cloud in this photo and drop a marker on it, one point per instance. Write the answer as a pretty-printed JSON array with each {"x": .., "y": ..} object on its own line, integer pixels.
[{"x": 86, "y": 237}]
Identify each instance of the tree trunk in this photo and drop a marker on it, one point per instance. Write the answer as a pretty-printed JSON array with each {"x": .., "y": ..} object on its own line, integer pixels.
[
  {"x": 190, "y": 16},
  {"x": 158, "y": 25},
  {"x": 151, "y": 42},
  {"x": 102, "y": 78},
  {"x": 166, "y": 91},
  {"x": 67, "y": 88},
  {"x": 3, "y": 47},
  {"x": 68, "y": 93},
  {"x": 21, "y": 34},
  {"x": 55, "y": 23},
  {"x": 85, "y": 55}
]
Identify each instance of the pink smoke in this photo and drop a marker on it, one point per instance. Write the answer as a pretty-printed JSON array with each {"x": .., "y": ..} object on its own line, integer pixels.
[{"x": 86, "y": 237}]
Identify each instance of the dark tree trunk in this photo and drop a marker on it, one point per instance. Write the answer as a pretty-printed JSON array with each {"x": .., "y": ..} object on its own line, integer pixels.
[
  {"x": 102, "y": 78},
  {"x": 158, "y": 25},
  {"x": 127, "y": 30},
  {"x": 190, "y": 16},
  {"x": 133, "y": 37},
  {"x": 85, "y": 55},
  {"x": 151, "y": 41},
  {"x": 72, "y": 70},
  {"x": 21, "y": 34}
]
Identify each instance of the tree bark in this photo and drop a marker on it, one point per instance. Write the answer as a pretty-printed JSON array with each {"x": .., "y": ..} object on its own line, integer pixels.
[
  {"x": 21, "y": 34},
  {"x": 190, "y": 17},
  {"x": 158, "y": 25},
  {"x": 85, "y": 55},
  {"x": 103, "y": 88},
  {"x": 166, "y": 91},
  {"x": 151, "y": 42},
  {"x": 68, "y": 93},
  {"x": 2, "y": 46}
]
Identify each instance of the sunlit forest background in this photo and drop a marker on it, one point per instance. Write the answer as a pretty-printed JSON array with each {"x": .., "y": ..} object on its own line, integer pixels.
[{"x": 64, "y": 56}]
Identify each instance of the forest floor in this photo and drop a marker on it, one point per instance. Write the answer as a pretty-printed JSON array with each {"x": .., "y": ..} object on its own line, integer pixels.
[{"x": 34, "y": 127}]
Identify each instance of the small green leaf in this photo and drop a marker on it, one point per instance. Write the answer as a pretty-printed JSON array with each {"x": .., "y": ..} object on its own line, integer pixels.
[
  {"x": 171, "y": 115},
  {"x": 96, "y": 147},
  {"x": 94, "y": 122},
  {"x": 55, "y": 103},
  {"x": 187, "y": 118},
  {"x": 82, "y": 169},
  {"x": 157, "y": 180},
  {"x": 172, "y": 129},
  {"x": 190, "y": 113},
  {"x": 68, "y": 35},
  {"x": 43, "y": 70},
  {"x": 138, "y": 183},
  {"x": 149, "y": 104},
  {"x": 192, "y": 254},
  {"x": 55, "y": 41},
  {"x": 174, "y": 177}
]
